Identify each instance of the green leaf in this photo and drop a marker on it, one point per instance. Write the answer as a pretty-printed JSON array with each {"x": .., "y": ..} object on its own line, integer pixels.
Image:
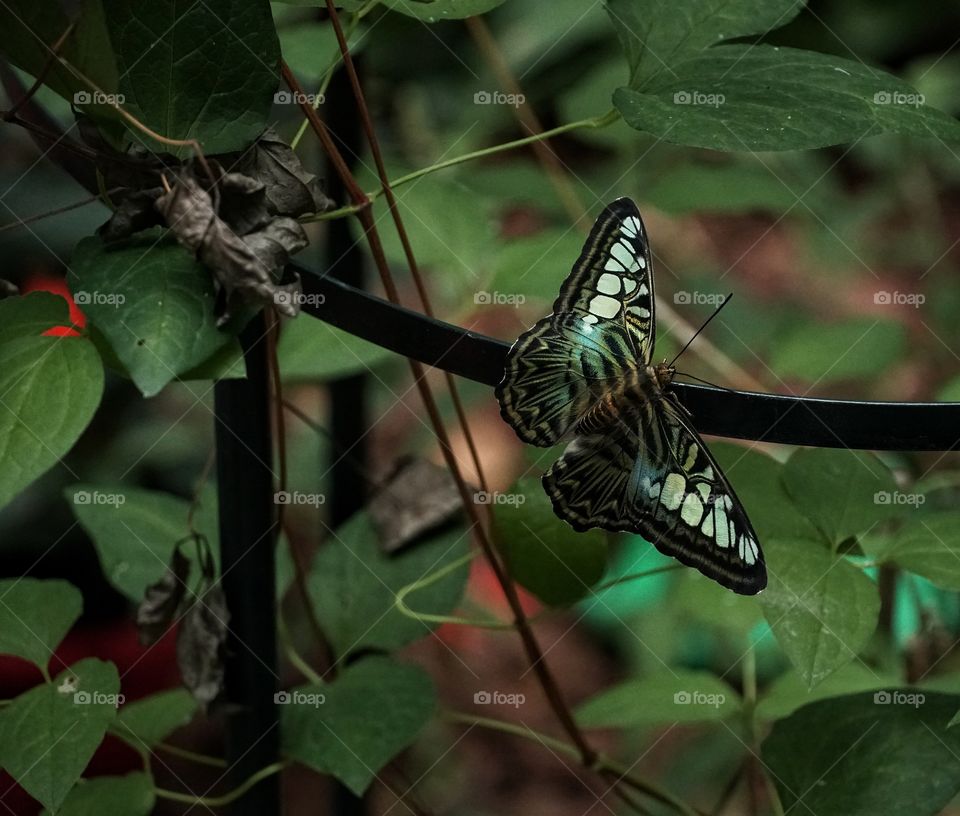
[
  {"x": 353, "y": 584},
  {"x": 352, "y": 727},
  {"x": 828, "y": 353},
  {"x": 706, "y": 604},
  {"x": 543, "y": 553},
  {"x": 152, "y": 301},
  {"x": 50, "y": 388},
  {"x": 204, "y": 71},
  {"x": 760, "y": 97},
  {"x": 852, "y": 756},
  {"x": 930, "y": 546},
  {"x": 536, "y": 266},
  {"x": 844, "y": 492},
  {"x": 152, "y": 719},
  {"x": 822, "y": 610},
  {"x": 789, "y": 692},
  {"x": 35, "y": 616},
  {"x": 757, "y": 480},
  {"x": 657, "y": 34},
  {"x": 313, "y": 350},
  {"x": 668, "y": 697},
  {"x": 435, "y": 10},
  {"x": 31, "y": 315},
  {"x": 131, "y": 795},
  {"x": 135, "y": 531},
  {"x": 49, "y": 733}
]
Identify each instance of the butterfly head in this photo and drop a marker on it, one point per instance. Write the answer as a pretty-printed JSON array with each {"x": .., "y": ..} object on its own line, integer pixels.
[{"x": 663, "y": 372}]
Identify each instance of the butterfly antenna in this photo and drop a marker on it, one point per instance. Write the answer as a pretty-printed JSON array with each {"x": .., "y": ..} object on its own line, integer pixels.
[
  {"x": 704, "y": 325},
  {"x": 706, "y": 382}
]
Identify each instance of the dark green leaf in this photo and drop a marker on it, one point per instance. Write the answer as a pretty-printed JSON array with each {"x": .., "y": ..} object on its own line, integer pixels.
[
  {"x": 51, "y": 387},
  {"x": 668, "y": 697},
  {"x": 839, "y": 351},
  {"x": 861, "y": 755},
  {"x": 204, "y": 71},
  {"x": 789, "y": 691},
  {"x": 49, "y": 733},
  {"x": 821, "y": 609},
  {"x": 844, "y": 492},
  {"x": 657, "y": 34},
  {"x": 152, "y": 301},
  {"x": 352, "y": 727},
  {"x": 131, "y": 795},
  {"x": 432, "y": 11},
  {"x": 535, "y": 266},
  {"x": 354, "y": 583},
  {"x": 313, "y": 350},
  {"x": 146, "y": 722},
  {"x": 543, "y": 553},
  {"x": 930, "y": 546},
  {"x": 35, "y": 616},
  {"x": 759, "y": 97},
  {"x": 31, "y": 315}
]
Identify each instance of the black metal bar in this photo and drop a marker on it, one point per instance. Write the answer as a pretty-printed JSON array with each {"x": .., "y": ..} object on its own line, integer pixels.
[
  {"x": 245, "y": 483},
  {"x": 828, "y": 423}
]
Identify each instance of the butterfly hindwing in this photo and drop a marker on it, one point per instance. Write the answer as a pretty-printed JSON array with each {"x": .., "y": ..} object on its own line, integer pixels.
[
  {"x": 651, "y": 473},
  {"x": 612, "y": 280}
]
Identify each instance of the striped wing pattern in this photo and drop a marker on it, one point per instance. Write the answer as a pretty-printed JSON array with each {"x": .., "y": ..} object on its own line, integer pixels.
[{"x": 634, "y": 463}]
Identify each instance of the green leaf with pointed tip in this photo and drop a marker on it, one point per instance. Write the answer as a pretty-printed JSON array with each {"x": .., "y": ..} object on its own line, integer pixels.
[
  {"x": 204, "y": 71},
  {"x": 852, "y": 756},
  {"x": 843, "y": 492},
  {"x": 668, "y": 697},
  {"x": 152, "y": 301},
  {"x": 35, "y": 616},
  {"x": 822, "y": 609},
  {"x": 759, "y": 97},
  {"x": 313, "y": 350},
  {"x": 929, "y": 546},
  {"x": 146, "y": 722},
  {"x": 131, "y": 795},
  {"x": 542, "y": 552},
  {"x": 789, "y": 691},
  {"x": 50, "y": 388},
  {"x": 354, "y": 584},
  {"x": 657, "y": 34},
  {"x": 372, "y": 711},
  {"x": 49, "y": 733}
]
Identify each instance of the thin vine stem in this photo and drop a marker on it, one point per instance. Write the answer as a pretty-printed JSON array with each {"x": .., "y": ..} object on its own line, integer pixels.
[
  {"x": 192, "y": 756},
  {"x": 227, "y": 798}
]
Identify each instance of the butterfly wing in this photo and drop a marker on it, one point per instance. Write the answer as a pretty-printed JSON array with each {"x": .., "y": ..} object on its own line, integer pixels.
[
  {"x": 602, "y": 326},
  {"x": 651, "y": 474}
]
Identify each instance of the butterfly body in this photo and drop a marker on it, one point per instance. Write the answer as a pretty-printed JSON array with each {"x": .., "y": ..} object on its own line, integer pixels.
[{"x": 584, "y": 375}]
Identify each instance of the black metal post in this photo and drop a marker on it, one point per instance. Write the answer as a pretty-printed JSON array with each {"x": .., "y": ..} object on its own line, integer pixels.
[{"x": 247, "y": 538}]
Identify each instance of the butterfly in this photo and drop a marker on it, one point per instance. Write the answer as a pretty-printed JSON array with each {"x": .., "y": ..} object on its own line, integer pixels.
[{"x": 584, "y": 375}]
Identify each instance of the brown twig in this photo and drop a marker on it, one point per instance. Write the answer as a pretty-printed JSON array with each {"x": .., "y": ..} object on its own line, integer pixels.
[
  {"x": 544, "y": 676},
  {"x": 42, "y": 76}
]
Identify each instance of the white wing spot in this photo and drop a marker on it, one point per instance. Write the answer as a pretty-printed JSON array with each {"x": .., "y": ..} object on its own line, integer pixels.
[
  {"x": 692, "y": 452},
  {"x": 625, "y": 255},
  {"x": 629, "y": 284},
  {"x": 654, "y": 491},
  {"x": 589, "y": 320},
  {"x": 692, "y": 510},
  {"x": 633, "y": 222},
  {"x": 604, "y": 306},
  {"x": 674, "y": 487},
  {"x": 748, "y": 550},
  {"x": 608, "y": 284},
  {"x": 704, "y": 489},
  {"x": 642, "y": 263},
  {"x": 613, "y": 265},
  {"x": 722, "y": 530},
  {"x": 708, "y": 525},
  {"x": 643, "y": 289},
  {"x": 639, "y": 310}
]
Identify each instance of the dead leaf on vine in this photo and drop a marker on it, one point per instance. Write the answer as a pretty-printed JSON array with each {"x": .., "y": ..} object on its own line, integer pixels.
[
  {"x": 158, "y": 609},
  {"x": 201, "y": 645}
]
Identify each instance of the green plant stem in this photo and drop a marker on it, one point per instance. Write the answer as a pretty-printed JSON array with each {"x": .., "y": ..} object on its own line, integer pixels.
[
  {"x": 301, "y": 664},
  {"x": 603, "y": 763},
  {"x": 227, "y": 798},
  {"x": 590, "y": 123},
  {"x": 636, "y": 576},
  {"x": 192, "y": 756}
]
